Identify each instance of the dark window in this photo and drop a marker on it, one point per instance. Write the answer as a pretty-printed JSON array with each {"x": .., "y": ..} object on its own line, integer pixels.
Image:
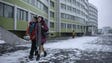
[
  {"x": 33, "y": 2},
  {"x": 51, "y": 14},
  {"x": 1, "y": 9},
  {"x": 45, "y": 8},
  {"x": 63, "y": 25},
  {"x": 22, "y": 15},
  {"x": 63, "y": 6},
  {"x": 62, "y": 15},
  {"x": 46, "y": 21},
  {"x": 32, "y": 15},
  {"x": 74, "y": 26},
  {"x": 51, "y": 4},
  {"x": 8, "y": 11},
  {"x": 37, "y": 4},
  {"x": 51, "y": 24},
  {"x": 41, "y": 6},
  {"x": 25, "y": 16},
  {"x": 69, "y": 26}
]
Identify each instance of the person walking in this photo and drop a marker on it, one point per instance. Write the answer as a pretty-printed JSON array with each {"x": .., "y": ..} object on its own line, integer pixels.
[
  {"x": 41, "y": 29},
  {"x": 73, "y": 34},
  {"x": 31, "y": 32},
  {"x": 36, "y": 33}
]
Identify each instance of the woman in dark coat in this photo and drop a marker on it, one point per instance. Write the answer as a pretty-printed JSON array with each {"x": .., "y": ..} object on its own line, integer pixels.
[{"x": 33, "y": 33}]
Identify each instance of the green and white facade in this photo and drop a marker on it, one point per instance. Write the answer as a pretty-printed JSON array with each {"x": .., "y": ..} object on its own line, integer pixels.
[
  {"x": 62, "y": 16},
  {"x": 93, "y": 20}
]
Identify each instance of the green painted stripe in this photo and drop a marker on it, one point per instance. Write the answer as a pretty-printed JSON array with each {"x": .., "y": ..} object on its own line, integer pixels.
[
  {"x": 7, "y": 23},
  {"x": 52, "y": 19},
  {"x": 22, "y": 25},
  {"x": 51, "y": 29},
  {"x": 52, "y": 9},
  {"x": 63, "y": 30},
  {"x": 70, "y": 21}
]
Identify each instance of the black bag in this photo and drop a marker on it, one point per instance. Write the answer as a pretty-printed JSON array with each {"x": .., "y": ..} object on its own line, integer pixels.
[{"x": 44, "y": 33}]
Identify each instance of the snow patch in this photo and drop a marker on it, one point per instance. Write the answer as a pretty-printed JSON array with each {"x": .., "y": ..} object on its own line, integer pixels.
[
  {"x": 2, "y": 42},
  {"x": 71, "y": 43},
  {"x": 13, "y": 57}
]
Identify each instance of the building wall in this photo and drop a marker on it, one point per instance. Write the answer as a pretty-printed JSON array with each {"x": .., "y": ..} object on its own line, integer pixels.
[
  {"x": 107, "y": 30},
  {"x": 62, "y": 16},
  {"x": 20, "y": 12},
  {"x": 74, "y": 15},
  {"x": 93, "y": 19}
]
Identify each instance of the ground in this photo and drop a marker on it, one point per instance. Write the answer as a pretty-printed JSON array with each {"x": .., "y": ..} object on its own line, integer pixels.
[{"x": 95, "y": 49}]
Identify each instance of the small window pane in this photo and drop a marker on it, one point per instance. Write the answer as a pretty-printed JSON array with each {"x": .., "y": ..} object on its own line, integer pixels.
[{"x": 1, "y": 9}]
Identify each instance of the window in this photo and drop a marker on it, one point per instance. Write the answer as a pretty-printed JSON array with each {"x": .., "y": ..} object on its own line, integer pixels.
[
  {"x": 62, "y": 15},
  {"x": 22, "y": 15},
  {"x": 78, "y": 26},
  {"x": 46, "y": 21},
  {"x": 28, "y": 1},
  {"x": 72, "y": 9},
  {"x": 33, "y": 2},
  {"x": 37, "y": 4},
  {"x": 41, "y": 6},
  {"x": 76, "y": 18},
  {"x": 69, "y": 1},
  {"x": 74, "y": 26},
  {"x": 63, "y": 25},
  {"x": 45, "y": 9},
  {"x": 6, "y": 11},
  {"x": 51, "y": 4},
  {"x": 63, "y": 6},
  {"x": 68, "y": 8},
  {"x": 31, "y": 16},
  {"x": 72, "y": 17},
  {"x": 1, "y": 9},
  {"x": 51, "y": 14},
  {"x": 69, "y": 26},
  {"x": 67, "y": 16},
  {"x": 78, "y": 4},
  {"x": 74, "y": 1},
  {"x": 51, "y": 24}
]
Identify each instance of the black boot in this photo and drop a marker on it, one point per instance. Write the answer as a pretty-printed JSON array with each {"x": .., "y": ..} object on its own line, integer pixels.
[
  {"x": 36, "y": 53},
  {"x": 45, "y": 53},
  {"x": 38, "y": 57},
  {"x": 31, "y": 57}
]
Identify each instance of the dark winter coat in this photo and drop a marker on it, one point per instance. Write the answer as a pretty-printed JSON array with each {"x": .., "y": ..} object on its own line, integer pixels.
[{"x": 32, "y": 29}]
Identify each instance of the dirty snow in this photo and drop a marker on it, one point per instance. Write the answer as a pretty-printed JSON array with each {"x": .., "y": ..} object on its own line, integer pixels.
[
  {"x": 79, "y": 42},
  {"x": 2, "y": 41},
  {"x": 79, "y": 50}
]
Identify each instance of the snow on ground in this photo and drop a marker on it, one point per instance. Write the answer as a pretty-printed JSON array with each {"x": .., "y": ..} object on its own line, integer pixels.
[
  {"x": 52, "y": 49},
  {"x": 2, "y": 41},
  {"x": 13, "y": 57},
  {"x": 68, "y": 51},
  {"x": 83, "y": 43},
  {"x": 78, "y": 42}
]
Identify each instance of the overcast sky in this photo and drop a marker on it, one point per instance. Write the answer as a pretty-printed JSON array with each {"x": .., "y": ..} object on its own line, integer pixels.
[{"x": 104, "y": 12}]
